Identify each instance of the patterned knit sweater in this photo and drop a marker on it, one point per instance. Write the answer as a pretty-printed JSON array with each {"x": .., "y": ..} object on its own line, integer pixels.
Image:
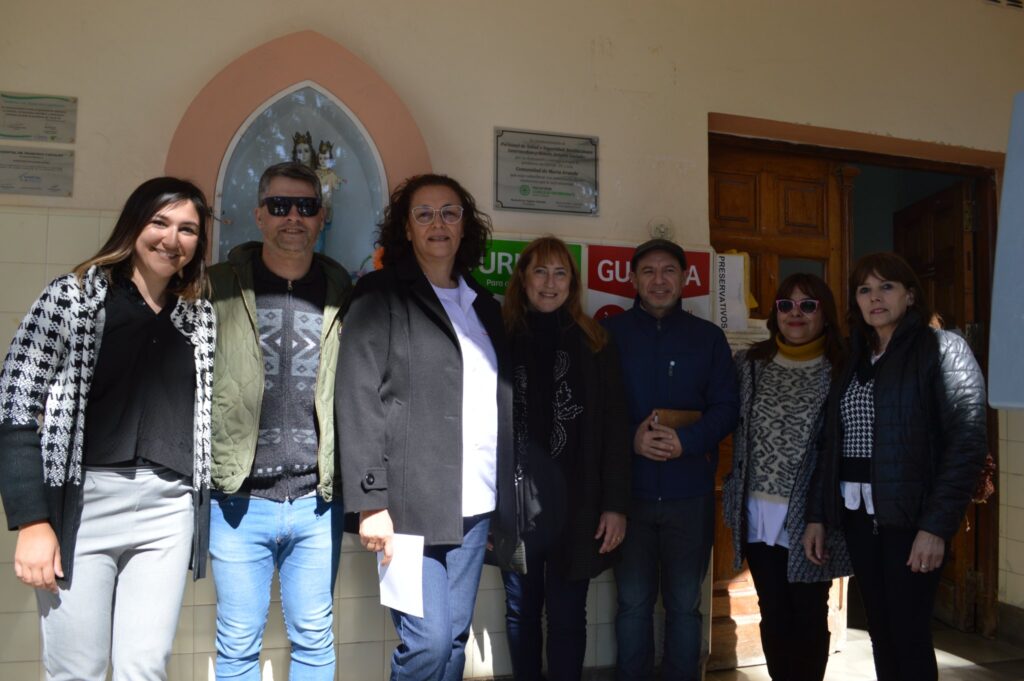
[{"x": 736, "y": 488}]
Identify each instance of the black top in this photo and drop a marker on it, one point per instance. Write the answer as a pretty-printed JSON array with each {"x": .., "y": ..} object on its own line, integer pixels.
[{"x": 142, "y": 400}]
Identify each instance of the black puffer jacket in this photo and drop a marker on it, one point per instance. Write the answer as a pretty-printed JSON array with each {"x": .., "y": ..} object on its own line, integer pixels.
[{"x": 929, "y": 432}]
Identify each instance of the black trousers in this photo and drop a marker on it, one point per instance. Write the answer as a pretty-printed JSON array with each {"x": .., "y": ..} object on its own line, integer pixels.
[
  {"x": 794, "y": 616},
  {"x": 898, "y": 602}
]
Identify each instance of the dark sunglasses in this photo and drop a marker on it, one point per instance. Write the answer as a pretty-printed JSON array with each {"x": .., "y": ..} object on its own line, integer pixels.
[
  {"x": 280, "y": 206},
  {"x": 787, "y": 305}
]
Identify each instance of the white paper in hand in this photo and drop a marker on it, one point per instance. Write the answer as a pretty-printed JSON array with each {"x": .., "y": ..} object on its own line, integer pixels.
[{"x": 401, "y": 580}]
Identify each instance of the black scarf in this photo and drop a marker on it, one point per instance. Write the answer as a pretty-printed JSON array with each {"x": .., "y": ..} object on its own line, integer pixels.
[{"x": 548, "y": 402}]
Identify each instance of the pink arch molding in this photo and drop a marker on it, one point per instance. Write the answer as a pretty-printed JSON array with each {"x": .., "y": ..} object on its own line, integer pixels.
[{"x": 224, "y": 104}]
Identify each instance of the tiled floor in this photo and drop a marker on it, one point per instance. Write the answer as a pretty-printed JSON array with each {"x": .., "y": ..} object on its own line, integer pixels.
[{"x": 961, "y": 657}]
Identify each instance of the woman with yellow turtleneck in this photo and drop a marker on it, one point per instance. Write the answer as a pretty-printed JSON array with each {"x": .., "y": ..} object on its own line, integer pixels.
[{"x": 784, "y": 381}]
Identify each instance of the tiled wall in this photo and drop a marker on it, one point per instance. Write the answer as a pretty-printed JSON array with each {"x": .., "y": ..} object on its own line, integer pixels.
[
  {"x": 1011, "y": 508},
  {"x": 39, "y": 244}
]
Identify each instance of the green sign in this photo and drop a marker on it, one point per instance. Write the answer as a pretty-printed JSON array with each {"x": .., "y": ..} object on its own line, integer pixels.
[{"x": 502, "y": 255}]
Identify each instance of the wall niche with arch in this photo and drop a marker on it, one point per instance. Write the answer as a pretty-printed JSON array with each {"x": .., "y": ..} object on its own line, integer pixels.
[{"x": 300, "y": 95}]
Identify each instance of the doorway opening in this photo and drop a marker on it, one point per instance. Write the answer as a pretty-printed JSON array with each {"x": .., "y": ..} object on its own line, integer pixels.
[{"x": 809, "y": 207}]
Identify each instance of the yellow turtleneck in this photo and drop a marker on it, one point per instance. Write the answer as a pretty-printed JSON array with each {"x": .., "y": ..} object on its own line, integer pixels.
[{"x": 801, "y": 353}]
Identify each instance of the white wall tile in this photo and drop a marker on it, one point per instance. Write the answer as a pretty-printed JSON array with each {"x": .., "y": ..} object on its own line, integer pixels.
[
  {"x": 490, "y": 578},
  {"x": 605, "y": 640},
  {"x": 1014, "y": 556},
  {"x": 9, "y": 322},
  {"x": 203, "y": 668},
  {"x": 20, "y": 285},
  {"x": 604, "y": 608},
  {"x": 359, "y": 620},
  {"x": 14, "y": 595},
  {"x": 20, "y": 641},
  {"x": 487, "y": 655},
  {"x": 72, "y": 237},
  {"x": 204, "y": 623},
  {"x": 1014, "y": 589},
  {"x": 274, "y": 663},
  {"x": 1012, "y": 459},
  {"x": 1014, "y": 523},
  {"x": 489, "y": 613},
  {"x": 361, "y": 661},
  {"x": 358, "y": 575},
  {"x": 1015, "y": 425},
  {"x": 275, "y": 636},
  {"x": 181, "y": 668},
  {"x": 21, "y": 671},
  {"x": 23, "y": 234},
  {"x": 185, "y": 636}
]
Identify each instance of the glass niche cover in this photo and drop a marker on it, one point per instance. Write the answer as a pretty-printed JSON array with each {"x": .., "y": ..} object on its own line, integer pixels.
[{"x": 310, "y": 127}]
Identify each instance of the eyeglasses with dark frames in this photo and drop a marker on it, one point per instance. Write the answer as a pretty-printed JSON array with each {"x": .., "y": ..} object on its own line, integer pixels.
[
  {"x": 450, "y": 214},
  {"x": 787, "y": 305},
  {"x": 280, "y": 206}
]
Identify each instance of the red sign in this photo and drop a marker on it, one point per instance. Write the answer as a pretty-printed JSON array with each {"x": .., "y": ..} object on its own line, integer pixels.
[{"x": 608, "y": 271}]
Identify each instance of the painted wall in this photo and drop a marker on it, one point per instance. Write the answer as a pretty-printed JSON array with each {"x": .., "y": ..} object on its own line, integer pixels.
[{"x": 640, "y": 74}]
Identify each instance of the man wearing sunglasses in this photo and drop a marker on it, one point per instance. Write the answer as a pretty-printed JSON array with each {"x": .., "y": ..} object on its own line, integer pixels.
[
  {"x": 279, "y": 307},
  {"x": 683, "y": 400}
]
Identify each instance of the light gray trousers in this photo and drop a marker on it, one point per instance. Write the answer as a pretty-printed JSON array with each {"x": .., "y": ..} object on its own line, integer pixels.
[{"x": 131, "y": 562}]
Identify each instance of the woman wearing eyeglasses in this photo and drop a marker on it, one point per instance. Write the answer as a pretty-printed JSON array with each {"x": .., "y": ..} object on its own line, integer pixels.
[
  {"x": 904, "y": 444},
  {"x": 424, "y": 405},
  {"x": 784, "y": 381}
]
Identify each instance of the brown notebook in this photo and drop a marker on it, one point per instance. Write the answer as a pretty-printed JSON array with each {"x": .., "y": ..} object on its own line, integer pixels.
[{"x": 677, "y": 418}]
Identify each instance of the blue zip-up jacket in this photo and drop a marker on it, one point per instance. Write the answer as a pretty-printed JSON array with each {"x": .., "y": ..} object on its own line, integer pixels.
[{"x": 677, "y": 362}]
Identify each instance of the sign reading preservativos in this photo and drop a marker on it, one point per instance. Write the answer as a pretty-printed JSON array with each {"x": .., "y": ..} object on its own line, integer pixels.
[{"x": 609, "y": 290}]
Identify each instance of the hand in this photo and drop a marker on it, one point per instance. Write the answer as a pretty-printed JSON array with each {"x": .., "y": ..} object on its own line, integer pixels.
[
  {"x": 926, "y": 553},
  {"x": 376, "y": 532},
  {"x": 37, "y": 556},
  {"x": 814, "y": 543},
  {"x": 612, "y": 527},
  {"x": 655, "y": 441}
]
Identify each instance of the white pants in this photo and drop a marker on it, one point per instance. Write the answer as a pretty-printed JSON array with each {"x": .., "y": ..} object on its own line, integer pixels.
[{"x": 131, "y": 562}]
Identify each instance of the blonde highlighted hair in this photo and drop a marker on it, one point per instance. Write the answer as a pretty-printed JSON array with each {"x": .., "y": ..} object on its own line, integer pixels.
[{"x": 517, "y": 305}]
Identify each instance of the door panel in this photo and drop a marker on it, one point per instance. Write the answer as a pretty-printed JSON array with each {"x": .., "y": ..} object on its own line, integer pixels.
[
  {"x": 783, "y": 210},
  {"x": 935, "y": 236}
]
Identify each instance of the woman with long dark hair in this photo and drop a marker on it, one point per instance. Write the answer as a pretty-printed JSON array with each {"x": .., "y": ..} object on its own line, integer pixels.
[
  {"x": 424, "y": 413},
  {"x": 783, "y": 384},
  {"x": 572, "y": 446},
  {"x": 105, "y": 440},
  {"x": 904, "y": 445}
]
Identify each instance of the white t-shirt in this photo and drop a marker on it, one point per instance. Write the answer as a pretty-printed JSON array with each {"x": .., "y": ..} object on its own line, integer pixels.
[{"x": 479, "y": 401}]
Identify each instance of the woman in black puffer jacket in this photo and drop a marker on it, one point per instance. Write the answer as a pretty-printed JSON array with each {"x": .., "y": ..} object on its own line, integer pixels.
[{"x": 905, "y": 442}]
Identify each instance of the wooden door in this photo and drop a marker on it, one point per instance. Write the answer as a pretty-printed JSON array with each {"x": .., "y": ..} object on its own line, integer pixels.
[
  {"x": 936, "y": 236},
  {"x": 787, "y": 211}
]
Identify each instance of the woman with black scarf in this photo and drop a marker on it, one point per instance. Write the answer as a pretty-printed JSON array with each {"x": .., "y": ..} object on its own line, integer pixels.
[{"x": 572, "y": 448}]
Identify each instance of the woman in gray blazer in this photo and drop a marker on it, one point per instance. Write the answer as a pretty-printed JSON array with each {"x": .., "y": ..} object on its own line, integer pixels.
[{"x": 423, "y": 405}]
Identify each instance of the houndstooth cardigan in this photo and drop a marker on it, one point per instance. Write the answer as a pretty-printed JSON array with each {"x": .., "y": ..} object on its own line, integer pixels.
[{"x": 44, "y": 390}]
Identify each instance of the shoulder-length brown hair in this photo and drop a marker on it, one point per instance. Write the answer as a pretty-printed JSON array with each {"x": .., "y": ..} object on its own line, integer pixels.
[
  {"x": 815, "y": 287},
  {"x": 887, "y": 266},
  {"x": 148, "y": 199},
  {"x": 391, "y": 235},
  {"x": 516, "y": 305}
]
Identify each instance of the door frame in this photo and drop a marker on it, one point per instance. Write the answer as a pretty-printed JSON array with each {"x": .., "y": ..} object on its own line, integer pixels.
[{"x": 986, "y": 167}]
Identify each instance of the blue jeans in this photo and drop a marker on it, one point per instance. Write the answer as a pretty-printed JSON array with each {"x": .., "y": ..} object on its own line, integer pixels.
[
  {"x": 566, "y": 600},
  {"x": 250, "y": 538},
  {"x": 433, "y": 647},
  {"x": 668, "y": 544}
]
